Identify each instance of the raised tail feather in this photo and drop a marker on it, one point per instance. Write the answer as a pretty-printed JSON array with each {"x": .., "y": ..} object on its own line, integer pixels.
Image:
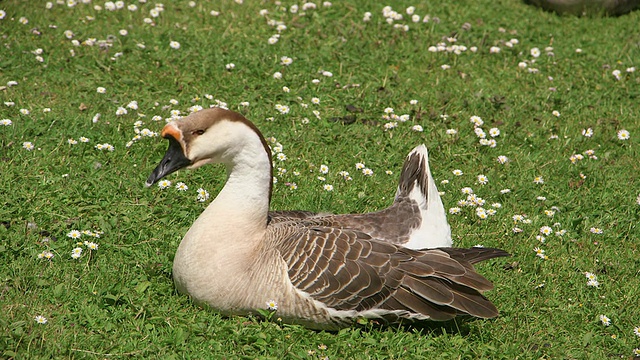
[
  {"x": 416, "y": 219},
  {"x": 417, "y": 184}
]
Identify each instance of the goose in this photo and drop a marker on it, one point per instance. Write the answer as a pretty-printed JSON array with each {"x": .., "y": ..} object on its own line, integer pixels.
[{"x": 324, "y": 272}]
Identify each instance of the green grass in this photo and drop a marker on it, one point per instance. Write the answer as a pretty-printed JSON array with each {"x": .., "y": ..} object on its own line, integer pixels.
[{"x": 119, "y": 301}]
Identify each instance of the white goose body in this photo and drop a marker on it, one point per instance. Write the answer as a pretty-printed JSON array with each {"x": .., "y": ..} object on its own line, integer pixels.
[{"x": 323, "y": 271}]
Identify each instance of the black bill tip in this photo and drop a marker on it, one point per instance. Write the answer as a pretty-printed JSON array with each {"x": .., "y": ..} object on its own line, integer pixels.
[{"x": 173, "y": 160}]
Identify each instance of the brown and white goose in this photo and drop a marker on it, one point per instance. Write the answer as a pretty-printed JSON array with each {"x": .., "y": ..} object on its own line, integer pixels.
[{"x": 324, "y": 271}]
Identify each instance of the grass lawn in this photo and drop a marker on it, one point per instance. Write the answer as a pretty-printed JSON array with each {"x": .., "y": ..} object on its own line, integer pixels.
[{"x": 538, "y": 115}]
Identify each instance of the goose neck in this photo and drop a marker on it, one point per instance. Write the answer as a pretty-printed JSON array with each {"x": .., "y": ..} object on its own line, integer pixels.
[{"x": 246, "y": 194}]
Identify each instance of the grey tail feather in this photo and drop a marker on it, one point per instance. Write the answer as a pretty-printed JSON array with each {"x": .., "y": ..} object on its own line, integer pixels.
[{"x": 414, "y": 171}]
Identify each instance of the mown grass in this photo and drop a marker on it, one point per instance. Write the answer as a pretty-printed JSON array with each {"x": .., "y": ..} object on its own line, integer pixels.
[{"x": 119, "y": 300}]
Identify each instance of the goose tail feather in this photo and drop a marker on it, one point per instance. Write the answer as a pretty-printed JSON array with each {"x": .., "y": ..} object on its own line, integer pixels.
[{"x": 416, "y": 183}]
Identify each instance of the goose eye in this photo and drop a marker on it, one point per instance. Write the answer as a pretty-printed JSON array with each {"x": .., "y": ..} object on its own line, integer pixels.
[{"x": 197, "y": 132}]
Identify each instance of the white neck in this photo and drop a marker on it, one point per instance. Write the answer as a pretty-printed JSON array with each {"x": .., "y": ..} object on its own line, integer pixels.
[
  {"x": 241, "y": 208},
  {"x": 245, "y": 196}
]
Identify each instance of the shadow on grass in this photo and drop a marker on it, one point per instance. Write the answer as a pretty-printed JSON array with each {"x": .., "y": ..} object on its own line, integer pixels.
[{"x": 459, "y": 326}]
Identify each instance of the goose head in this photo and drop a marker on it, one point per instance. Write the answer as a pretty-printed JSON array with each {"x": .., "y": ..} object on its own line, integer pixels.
[{"x": 209, "y": 136}]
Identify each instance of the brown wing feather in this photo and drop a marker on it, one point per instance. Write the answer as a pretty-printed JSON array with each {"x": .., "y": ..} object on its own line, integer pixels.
[
  {"x": 290, "y": 215},
  {"x": 411, "y": 303},
  {"x": 349, "y": 270},
  {"x": 393, "y": 224},
  {"x": 470, "y": 301}
]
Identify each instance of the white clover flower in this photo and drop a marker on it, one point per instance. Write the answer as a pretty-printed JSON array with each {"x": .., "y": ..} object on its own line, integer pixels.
[
  {"x": 546, "y": 230},
  {"x": 623, "y": 135},
  {"x": 391, "y": 125},
  {"x": 272, "y": 305},
  {"x": 285, "y": 60},
  {"x": 163, "y": 184},
  {"x": 480, "y": 133},
  {"x": 46, "y": 255},
  {"x": 309, "y": 6},
  {"x": 535, "y": 52},
  {"x": 74, "y": 234},
  {"x": 283, "y": 109},
  {"x": 616, "y": 73},
  {"x": 476, "y": 120},
  {"x": 203, "y": 195},
  {"x": 595, "y": 230}
]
